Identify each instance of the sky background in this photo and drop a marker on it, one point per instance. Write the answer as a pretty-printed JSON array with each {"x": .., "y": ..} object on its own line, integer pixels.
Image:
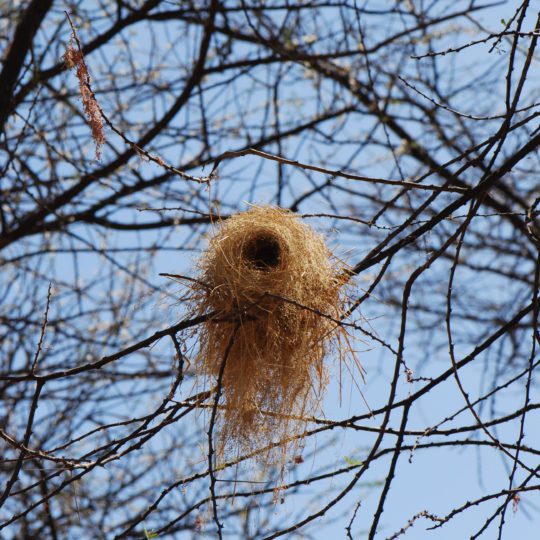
[{"x": 435, "y": 480}]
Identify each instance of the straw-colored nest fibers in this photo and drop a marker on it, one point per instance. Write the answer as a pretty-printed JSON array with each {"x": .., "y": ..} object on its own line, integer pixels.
[{"x": 276, "y": 295}]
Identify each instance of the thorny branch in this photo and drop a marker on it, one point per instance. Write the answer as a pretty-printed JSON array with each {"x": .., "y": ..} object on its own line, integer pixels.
[{"x": 407, "y": 133}]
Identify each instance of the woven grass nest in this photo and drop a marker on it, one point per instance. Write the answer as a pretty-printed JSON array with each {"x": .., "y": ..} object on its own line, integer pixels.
[{"x": 276, "y": 294}]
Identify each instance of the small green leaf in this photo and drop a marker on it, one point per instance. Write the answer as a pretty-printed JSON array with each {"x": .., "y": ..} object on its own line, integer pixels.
[
  {"x": 149, "y": 534},
  {"x": 353, "y": 462},
  {"x": 504, "y": 22}
]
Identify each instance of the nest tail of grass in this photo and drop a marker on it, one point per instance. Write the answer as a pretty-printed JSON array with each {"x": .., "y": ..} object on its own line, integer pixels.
[{"x": 277, "y": 296}]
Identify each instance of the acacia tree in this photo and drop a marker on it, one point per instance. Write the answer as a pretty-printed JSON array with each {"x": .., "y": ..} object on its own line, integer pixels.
[{"x": 406, "y": 132}]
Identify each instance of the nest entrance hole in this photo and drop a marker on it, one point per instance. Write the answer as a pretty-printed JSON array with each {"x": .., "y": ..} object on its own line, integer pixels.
[{"x": 263, "y": 252}]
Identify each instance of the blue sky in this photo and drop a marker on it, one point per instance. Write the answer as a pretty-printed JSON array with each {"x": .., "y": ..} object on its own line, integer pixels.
[{"x": 434, "y": 479}]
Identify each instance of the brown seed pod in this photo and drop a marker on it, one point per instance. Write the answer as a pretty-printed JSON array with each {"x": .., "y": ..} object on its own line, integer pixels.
[{"x": 277, "y": 296}]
